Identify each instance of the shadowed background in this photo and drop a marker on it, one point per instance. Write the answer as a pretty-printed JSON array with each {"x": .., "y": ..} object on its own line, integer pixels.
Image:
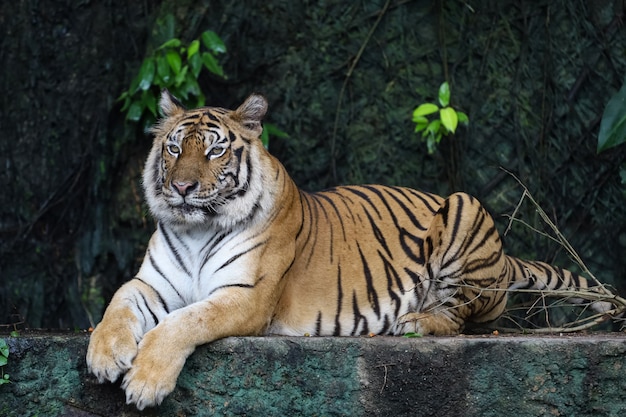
[{"x": 533, "y": 76}]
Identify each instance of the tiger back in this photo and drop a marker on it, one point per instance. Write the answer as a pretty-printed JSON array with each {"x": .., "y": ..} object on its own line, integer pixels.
[{"x": 240, "y": 250}]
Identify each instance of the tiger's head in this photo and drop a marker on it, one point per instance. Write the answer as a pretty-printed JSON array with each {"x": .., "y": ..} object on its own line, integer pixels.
[{"x": 200, "y": 168}]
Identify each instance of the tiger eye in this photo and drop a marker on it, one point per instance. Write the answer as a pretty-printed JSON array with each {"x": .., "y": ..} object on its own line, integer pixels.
[
  {"x": 215, "y": 152},
  {"x": 173, "y": 149}
]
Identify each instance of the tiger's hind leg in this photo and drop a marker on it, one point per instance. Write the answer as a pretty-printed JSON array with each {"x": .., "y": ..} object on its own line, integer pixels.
[{"x": 466, "y": 270}]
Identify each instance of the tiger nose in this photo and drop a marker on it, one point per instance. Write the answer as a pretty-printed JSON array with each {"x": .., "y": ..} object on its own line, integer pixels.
[{"x": 185, "y": 187}]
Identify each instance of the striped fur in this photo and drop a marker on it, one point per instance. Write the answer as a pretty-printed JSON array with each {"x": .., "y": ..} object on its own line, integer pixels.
[{"x": 240, "y": 250}]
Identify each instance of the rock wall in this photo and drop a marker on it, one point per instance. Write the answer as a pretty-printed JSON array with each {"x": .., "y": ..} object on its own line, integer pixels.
[{"x": 381, "y": 376}]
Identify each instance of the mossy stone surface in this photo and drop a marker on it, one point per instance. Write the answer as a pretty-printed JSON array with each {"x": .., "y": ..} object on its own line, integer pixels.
[{"x": 276, "y": 376}]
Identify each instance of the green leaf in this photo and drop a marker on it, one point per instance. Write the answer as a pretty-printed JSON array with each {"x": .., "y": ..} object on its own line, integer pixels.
[
  {"x": 146, "y": 74},
  {"x": 213, "y": 42},
  {"x": 412, "y": 334},
  {"x": 180, "y": 77},
  {"x": 433, "y": 128},
  {"x": 431, "y": 144},
  {"x": 127, "y": 102},
  {"x": 424, "y": 110},
  {"x": 463, "y": 119},
  {"x": 3, "y": 361},
  {"x": 420, "y": 123},
  {"x": 173, "y": 58},
  {"x": 444, "y": 94},
  {"x": 122, "y": 96},
  {"x": 4, "y": 349},
  {"x": 265, "y": 138},
  {"x": 163, "y": 70},
  {"x": 193, "y": 49},
  {"x": 613, "y": 125},
  {"x": 172, "y": 43},
  {"x": 166, "y": 28},
  {"x": 134, "y": 112},
  {"x": 274, "y": 130},
  {"x": 211, "y": 64},
  {"x": 190, "y": 86},
  {"x": 449, "y": 119},
  {"x": 149, "y": 101},
  {"x": 420, "y": 119},
  {"x": 195, "y": 64}
]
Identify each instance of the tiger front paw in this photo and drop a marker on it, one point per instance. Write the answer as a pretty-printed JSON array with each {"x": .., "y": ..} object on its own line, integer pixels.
[
  {"x": 111, "y": 352},
  {"x": 154, "y": 372},
  {"x": 436, "y": 323}
]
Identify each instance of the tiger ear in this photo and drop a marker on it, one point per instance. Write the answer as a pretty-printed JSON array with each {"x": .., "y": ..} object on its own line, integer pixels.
[
  {"x": 251, "y": 113},
  {"x": 169, "y": 104}
]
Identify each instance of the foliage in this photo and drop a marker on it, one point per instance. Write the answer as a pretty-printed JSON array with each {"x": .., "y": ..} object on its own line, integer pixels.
[
  {"x": 444, "y": 125},
  {"x": 270, "y": 129},
  {"x": 177, "y": 67},
  {"x": 613, "y": 126},
  {"x": 4, "y": 356},
  {"x": 412, "y": 335}
]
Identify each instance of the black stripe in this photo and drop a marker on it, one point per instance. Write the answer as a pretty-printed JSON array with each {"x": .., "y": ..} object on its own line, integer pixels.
[
  {"x": 358, "y": 317},
  {"x": 318, "y": 324},
  {"x": 212, "y": 117},
  {"x": 158, "y": 294},
  {"x": 179, "y": 259},
  {"x": 407, "y": 210},
  {"x": 339, "y": 216},
  {"x": 432, "y": 203},
  {"x": 372, "y": 296},
  {"x": 237, "y": 256},
  {"x": 145, "y": 303},
  {"x": 210, "y": 125},
  {"x": 379, "y": 235},
  {"x": 392, "y": 278},
  {"x": 221, "y": 287},
  {"x": 156, "y": 268},
  {"x": 356, "y": 191},
  {"x": 337, "y": 330}
]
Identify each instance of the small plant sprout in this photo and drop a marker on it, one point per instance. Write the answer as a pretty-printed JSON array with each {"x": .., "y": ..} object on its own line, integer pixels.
[{"x": 445, "y": 124}]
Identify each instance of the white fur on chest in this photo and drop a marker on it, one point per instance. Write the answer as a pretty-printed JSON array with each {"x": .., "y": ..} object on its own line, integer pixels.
[{"x": 189, "y": 266}]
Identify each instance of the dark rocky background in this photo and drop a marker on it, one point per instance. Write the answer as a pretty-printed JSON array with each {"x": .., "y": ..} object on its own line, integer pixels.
[{"x": 533, "y": 76}]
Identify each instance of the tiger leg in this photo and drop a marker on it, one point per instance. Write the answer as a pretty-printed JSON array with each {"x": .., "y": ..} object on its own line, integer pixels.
[
  {"x": 164, "y": 349},
  {"x": 465, "y": 279},
  {"x": 133, "y": 311}
]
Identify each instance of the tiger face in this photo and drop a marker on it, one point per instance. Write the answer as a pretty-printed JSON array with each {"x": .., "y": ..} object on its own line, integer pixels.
[{"x": 197, "y": 171}]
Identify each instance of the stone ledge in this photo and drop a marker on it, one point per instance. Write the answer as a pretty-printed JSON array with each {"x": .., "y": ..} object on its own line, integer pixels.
[{"x": 392, "y": 376}]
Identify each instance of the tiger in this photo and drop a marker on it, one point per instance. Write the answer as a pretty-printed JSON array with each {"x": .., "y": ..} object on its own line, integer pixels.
[{"x": 240, "y": 250}]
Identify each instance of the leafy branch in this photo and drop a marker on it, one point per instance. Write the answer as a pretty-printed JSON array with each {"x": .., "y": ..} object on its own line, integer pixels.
[
  {"x": 177, "y": 67},
  {"x": 443, "y": 125}
]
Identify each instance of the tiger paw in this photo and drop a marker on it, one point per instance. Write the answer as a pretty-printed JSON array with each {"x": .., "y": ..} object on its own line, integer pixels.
[
  {"x": 154, "y": 372},
  {"x": 438, "y": 324},
  {"x": 111, "y": 352}
]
